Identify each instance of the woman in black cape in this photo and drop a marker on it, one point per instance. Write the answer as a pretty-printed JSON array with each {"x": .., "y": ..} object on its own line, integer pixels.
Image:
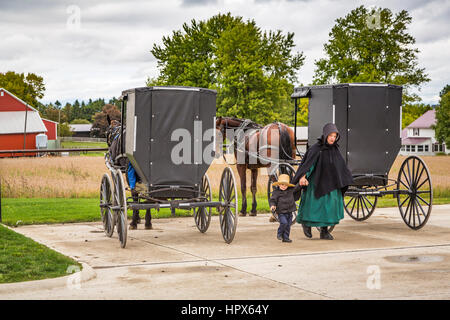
[{"x": 325, "y": 177}]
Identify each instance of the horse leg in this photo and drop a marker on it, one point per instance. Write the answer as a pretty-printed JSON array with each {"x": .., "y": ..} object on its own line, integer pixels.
[
  {"x": 148, "y": 220},
  {"x": 135, "y": 219},
  {"x": 241, "y": 171},
  {"x": 253, "y": 188}
]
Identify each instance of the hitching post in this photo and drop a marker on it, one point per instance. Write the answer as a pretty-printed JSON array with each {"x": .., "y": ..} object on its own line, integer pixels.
[
  {"x": 295, "y": 125},
  {"x": 121, "y": 124}
]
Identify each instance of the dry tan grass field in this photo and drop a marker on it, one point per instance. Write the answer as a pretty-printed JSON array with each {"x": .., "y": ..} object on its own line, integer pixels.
[{"x": 79, "y": 177}]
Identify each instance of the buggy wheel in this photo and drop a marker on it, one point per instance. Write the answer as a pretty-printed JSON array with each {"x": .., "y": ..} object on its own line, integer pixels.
[
  {"x": 202, "y": 215},
  {"x": 360, "y": 207},
  {"x": 228, "y": 211},
  {"x": 120, "y": 202},
  {"x": 415, "y": 192},
  {"x": 281, "y": 168},
  {"x": 105, "y": 205}
]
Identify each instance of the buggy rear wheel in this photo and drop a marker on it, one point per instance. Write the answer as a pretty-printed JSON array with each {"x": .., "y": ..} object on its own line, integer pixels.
[
  {"x": 105, "y": 205},
  {"x": 202, "y": 215},
  {"x": 228, "y": 211},
  {"x": 415, "y": 192},
  {"x": 120, "y": 204},
  {"x": 281, "y": 168},
  {"x": 361, "y": 202}
]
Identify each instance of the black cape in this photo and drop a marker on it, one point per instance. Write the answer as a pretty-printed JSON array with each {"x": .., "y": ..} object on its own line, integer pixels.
[{"x": 331, "y": 171}]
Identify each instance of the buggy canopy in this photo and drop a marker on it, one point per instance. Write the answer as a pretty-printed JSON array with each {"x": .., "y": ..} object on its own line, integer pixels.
[
  {"x": 368, "y": 116},
  {"x": 168, "y": 132}
]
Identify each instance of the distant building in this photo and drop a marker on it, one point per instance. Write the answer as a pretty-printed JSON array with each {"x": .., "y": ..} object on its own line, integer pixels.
[
  {"x": 302, "y": 138},
  {"x": 14, "y": 133},
  {"x": 81, "y": 130},
  {"x": 419, "y": 137},
  {"x": 52, "y": 129}
]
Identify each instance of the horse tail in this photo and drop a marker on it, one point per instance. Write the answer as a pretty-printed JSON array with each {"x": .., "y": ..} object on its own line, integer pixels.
[{"x": 285, "y": 144}]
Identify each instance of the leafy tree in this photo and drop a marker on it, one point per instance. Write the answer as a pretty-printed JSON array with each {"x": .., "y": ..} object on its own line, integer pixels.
[
  {"x": 28, "y": 87},
  {"x": 64, "y": 130},
  {"x": 360, "y": 50},
  {"x": 80, "y": 121},
  {"x": 442, "y": 127},
  {"x": 100, "y": 122},
  {"x": 411, "y": 112},
  {"x": 54, "y": 114},
  {"x": 302, "y": 112},
  {"x": 445, "y": 90},
  {"x": 251, "y": 70}
]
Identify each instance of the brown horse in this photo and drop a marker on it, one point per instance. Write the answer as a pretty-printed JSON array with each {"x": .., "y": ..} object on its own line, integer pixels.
[{"x": 256, "y": 147}]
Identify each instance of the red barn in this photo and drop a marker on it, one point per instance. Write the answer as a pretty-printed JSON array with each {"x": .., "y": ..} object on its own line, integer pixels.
[
  {"x": 52, "y": 129},
  {"x": 13, "y": 112}
]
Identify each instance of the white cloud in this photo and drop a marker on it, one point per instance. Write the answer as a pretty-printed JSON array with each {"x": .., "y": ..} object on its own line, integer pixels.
[{"x": 111, "y": 50}]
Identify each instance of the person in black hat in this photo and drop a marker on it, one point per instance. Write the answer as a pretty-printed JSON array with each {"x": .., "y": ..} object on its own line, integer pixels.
[
  {"x": 325, "y": 176},
  {"x": 283, "y": 202}
]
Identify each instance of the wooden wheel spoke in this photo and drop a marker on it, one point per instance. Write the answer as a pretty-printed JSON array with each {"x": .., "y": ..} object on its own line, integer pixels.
[
  {"x": 421, "y": 208},
  {"x": 404, "y": 184},
  {"x": 407, "y": 197},
  {"x": 357, "y": 208},
  {"x": 407, "y": 207},
  {"x": 349, "y": 201},
  {"x": 421, "y": 192},
  {"x": 353, "y": 207},
  {"x": 413, "y": 171},
  {"x": 422, "y": 199},
  {"x": 417, "y": 212},
  {"x": 367, "y": 199},
  {"x": 409, "y": 174},
  {"x": 427, "y": 179},
  {"x": 363, "y": 199},
  {"x": 416, "y": 182}
]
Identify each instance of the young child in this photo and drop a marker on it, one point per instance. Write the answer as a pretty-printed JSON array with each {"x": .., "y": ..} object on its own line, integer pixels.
[{"x": 283, "y": 202}]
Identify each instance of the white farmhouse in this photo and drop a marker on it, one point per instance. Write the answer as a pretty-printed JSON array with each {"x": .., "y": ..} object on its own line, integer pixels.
[{"x": 419, "y": 137}]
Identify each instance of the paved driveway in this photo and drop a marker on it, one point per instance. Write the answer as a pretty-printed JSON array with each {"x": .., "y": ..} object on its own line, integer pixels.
[{"x": 380, "y": 258}]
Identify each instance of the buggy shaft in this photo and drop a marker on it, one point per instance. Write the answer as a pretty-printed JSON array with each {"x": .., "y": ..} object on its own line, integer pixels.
[{"x": 190, "y": 205}]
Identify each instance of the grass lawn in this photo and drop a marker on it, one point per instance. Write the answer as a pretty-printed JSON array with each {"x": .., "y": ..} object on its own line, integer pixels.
[
  {"x": 22, "y": 259},
  {"x": 25, "y": 211},
  {"x": 79, "y": 144}
]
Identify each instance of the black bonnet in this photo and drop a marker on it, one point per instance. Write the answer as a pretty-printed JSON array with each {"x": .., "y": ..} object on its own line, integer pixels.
[{"x": 328, "y": 129}]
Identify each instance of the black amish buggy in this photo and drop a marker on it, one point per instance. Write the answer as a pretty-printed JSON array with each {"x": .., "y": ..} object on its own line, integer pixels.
[
  {"x": 368, "y": 116},
  {"x": 156, "y": 120}
]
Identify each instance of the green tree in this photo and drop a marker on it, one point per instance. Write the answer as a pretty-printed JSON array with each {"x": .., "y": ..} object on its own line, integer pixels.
[
  {"x": 28, "y": 87},
  {"x": 54, "y": 114},
  {"x": 251, "y": 70},
  {"x": 442, "y": 127},
  {"x": 302, "y": 112},
  {"x": 64, "y": 130},
  {"x": 362, "y": 50},
  {"x": 80, "y": 121},
  {"x": 445, "y": 90},
  {"x": 411, "y": 112},
  {"x": 100, "y": 122}
]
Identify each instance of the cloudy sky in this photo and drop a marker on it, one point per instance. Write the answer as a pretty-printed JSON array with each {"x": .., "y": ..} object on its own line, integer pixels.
[{"x": 97, "y": 48}]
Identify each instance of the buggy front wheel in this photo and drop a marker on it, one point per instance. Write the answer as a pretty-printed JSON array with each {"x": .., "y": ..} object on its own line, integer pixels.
[
  {"x": 359, "y": 207},
  {"x": 228, "y": 211},
  {"x": 106, "y": 204},
  {"x": 414, "y": 192},
  {"x": 202, "y": 215},
  {"x": 120, "y": 206}
]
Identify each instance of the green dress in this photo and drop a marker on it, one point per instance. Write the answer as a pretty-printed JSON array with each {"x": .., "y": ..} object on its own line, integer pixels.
[{"x": 320, "y": 212}]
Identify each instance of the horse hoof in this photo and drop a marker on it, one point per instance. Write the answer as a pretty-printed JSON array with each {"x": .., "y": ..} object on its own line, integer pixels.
[
  {"x": 133, "y": 227},
  {"x": 148, "y": 227},
  {"x": 241, "y": 214},
  {"x": 253, "y": 214}
]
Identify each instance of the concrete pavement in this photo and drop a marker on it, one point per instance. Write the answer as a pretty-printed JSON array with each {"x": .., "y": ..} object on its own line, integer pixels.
[{"x": 380, "y": 258}]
